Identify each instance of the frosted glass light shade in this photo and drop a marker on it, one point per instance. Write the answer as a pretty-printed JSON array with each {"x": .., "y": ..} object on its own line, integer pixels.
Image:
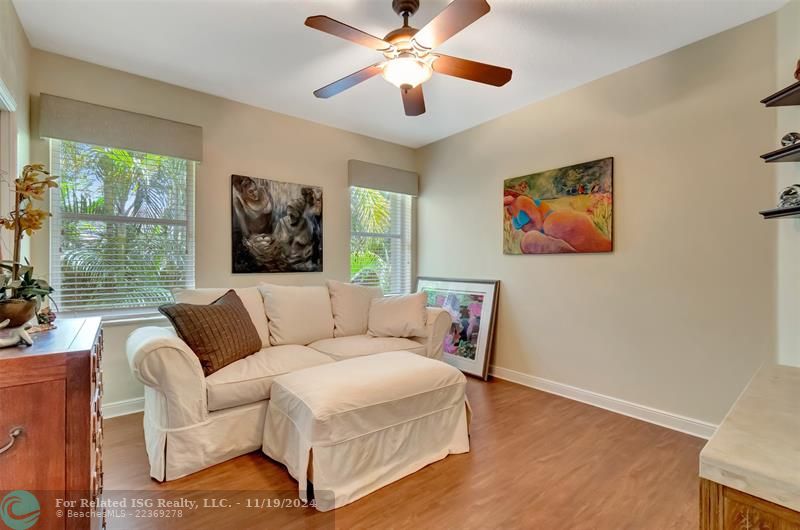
[{"x": 407, "y": 71}]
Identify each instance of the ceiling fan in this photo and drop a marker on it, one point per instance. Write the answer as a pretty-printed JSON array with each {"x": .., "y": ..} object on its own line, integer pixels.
[{"x": 408, "y": 59}]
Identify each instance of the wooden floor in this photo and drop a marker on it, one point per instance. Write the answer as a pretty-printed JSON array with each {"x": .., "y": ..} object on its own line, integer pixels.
[{"x": 536, "y": 461}]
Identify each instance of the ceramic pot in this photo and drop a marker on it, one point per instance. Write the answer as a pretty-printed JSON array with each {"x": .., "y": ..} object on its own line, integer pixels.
[{"x": 18, "y": 310}]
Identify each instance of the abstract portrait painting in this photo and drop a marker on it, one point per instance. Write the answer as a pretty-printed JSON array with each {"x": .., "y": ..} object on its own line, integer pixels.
[
  {"x": 564, "y": 210},
  {"x": 277, "y": 226},
  {"x": 471, "y": 305}
]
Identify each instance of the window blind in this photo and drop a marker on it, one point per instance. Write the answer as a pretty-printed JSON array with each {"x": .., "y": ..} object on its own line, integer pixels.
[
  {"x": 122, "y": 231},
  {"x": 381, "y": 243}
]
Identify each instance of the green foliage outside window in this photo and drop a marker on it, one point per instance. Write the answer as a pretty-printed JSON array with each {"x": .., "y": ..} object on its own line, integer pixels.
[
  {"x": 370, "y": 213},
  {"x": 124, "y": 238}
]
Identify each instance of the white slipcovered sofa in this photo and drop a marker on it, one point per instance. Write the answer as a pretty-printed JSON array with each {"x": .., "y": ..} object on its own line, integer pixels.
[{"x": 192, "y": 422}]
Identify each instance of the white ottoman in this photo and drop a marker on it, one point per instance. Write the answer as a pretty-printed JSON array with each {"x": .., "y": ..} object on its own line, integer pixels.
[{"x": 354, "y": 426}]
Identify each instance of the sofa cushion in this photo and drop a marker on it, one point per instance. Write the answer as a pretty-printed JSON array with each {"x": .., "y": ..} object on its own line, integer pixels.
[
  {"x": 250, "y": 297},
  {"x": 398, "y": 316},
  {"x": 358, "y": 345},
  {"x": 297, "y": 315},
  {"x": 350, "y": 305},
  {"x": 219, "y": 333},
  {"x": 249, "y": 380}
]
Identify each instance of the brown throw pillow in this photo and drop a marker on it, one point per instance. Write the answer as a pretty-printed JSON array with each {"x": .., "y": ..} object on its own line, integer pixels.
[{"x": 219, "y": 333}]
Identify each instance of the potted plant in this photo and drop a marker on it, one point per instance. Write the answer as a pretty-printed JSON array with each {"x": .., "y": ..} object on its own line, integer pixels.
[{"x": 20, "y": 293}]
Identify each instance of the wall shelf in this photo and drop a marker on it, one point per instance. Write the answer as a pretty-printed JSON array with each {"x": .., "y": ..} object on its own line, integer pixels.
[
  {"x": 784, "y": 97},
  {"x": 776, "y": 213},
  {"x": 790, "y": 153}
]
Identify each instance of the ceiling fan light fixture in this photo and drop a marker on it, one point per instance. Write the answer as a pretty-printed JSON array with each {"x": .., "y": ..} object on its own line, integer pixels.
[
  {"x": 408, "y": 52},
  {"x": 407, "y": 71}
]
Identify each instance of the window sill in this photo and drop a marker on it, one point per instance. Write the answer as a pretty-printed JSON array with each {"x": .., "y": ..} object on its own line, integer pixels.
[
  {"x": 136, "y": 320},
  {"x": 121, "y": 318}
]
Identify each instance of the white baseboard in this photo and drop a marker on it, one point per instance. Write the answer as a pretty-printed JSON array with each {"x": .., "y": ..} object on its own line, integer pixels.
[
  {"x": 121, "y": 408},
  {"x": 695, "y": 427},
  {"x": 676, "y": 422}
]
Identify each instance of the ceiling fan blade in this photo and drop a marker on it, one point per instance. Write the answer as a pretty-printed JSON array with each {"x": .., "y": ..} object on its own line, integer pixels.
[
  {"x": 471, "y": 70},
  {"x": 342, "y": 30},
  {"x": 348, "y": 82},
  {"x": 456, "y": 16},
  {"x": 413, "y": 101}
]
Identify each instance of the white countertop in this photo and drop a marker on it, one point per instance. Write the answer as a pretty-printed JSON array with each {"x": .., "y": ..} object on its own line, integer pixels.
[{"x": 756, "y": 448}]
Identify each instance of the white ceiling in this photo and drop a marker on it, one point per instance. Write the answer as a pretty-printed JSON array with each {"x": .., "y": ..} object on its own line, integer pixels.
[{"x": 259, "y": 52}]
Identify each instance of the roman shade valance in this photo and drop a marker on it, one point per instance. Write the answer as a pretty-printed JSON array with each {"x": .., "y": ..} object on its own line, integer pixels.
[
  {"x": 374, "y": 176},
  {"x": 70, "y": 119}
]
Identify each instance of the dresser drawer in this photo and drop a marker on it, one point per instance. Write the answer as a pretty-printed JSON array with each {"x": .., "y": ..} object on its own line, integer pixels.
[{"x": 36, "y": 459}]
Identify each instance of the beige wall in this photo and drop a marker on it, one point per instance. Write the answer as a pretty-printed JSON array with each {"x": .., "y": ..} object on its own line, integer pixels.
[
  {"x": 239, "y": 139},
  {"x": 679, "y": 316},
  {"x": 788, "y": 52},
  {"x": 14, "y": 60}
]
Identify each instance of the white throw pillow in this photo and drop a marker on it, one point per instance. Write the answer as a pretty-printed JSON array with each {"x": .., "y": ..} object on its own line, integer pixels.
[
  {"x": 297, "y": 315},
  {"x": 350, "y": 306},
  {"x": 250, "y": 297},
  {"x": 398, "y": 316}
]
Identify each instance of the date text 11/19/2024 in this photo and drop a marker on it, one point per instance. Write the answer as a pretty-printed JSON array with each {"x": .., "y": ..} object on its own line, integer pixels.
[{"x": 184, "y": 503}]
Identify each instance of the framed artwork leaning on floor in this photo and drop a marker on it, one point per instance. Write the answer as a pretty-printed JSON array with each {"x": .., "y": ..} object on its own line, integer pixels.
[{"x": 472, "y": 305}]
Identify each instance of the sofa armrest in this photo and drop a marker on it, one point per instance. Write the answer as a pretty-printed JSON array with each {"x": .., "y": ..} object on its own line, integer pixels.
[
  {"x": 165, "y": 363},
  {"x": 437, "y": 326}
]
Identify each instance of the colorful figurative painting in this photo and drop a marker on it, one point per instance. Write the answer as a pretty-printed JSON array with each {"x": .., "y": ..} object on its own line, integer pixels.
[
  {"x": 471, "y": 305},
  {"x": 276, "y": 226},
  {"x": 562, "y": 210}
]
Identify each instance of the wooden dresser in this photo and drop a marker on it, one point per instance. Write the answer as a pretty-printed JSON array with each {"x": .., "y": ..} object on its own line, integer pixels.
[
  {"x": 50, "y": 396},
  {"x": 750, "y": 469}
]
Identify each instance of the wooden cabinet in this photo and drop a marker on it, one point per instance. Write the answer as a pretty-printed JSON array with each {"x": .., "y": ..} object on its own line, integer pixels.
[
  {"x": 50, "y": 399},
  {"x": 750, "y": 468},
  {"x": 724, "y": 508}
]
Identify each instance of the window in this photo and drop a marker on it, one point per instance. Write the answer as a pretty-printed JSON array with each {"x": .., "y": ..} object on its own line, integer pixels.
[
  {"x": 8, "y": 157},
  {"x": 380, "y": 239},
  {"x": 8, "y": 170},
  {"x": 122, "y": 233}
]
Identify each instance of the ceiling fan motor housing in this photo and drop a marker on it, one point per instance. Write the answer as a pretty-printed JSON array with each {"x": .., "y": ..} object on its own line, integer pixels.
[{"x": 401, "y": 37}]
